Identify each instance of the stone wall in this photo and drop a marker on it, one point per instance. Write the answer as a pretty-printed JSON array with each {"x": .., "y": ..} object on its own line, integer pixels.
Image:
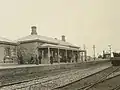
[
  {"x": 1, "y": 54},
  {"x": 13, "y": 53},
  {"x": 27, "y": 50}
]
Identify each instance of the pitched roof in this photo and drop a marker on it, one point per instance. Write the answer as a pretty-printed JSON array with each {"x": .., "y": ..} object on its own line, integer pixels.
[
  {"x": 45, "y": 39},
  {"x": 6, "y": 41}
]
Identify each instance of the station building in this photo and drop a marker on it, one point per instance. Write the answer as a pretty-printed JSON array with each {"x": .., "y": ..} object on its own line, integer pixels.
[
  {"x": 35, "y": 45},
  {"x": 8, "y": 51}
]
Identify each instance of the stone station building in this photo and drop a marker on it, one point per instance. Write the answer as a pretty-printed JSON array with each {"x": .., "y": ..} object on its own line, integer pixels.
[{"x": 36, "y": 45}]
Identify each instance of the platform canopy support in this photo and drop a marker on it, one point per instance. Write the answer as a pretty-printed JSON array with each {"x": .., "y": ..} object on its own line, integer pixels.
[
  {"x": 48, "y": 54},
  {"x": 58, "y": 55}
]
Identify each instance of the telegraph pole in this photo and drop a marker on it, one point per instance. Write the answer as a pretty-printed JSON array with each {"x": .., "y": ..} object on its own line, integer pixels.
[
  {"x": 85, "y": 52},
  {"x": 109, "y": 50},
  {"x": 94, "y": 52},
  {"x": 84, "y": 46}
]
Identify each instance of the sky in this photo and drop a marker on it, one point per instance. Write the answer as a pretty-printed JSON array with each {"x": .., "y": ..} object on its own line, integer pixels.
[{"x": 89, "y": 22}]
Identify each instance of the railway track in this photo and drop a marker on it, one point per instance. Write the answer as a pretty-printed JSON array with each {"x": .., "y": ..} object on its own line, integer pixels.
[
  {"x": 90, "y": 81},
  {"x": 111, "y": 83},
  {"x": 116, "y": 88},
  {"x": 106, "y": 77}
]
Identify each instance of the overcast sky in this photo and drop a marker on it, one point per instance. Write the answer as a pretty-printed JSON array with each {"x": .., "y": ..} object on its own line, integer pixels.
[{"x": 89, "y": 22}]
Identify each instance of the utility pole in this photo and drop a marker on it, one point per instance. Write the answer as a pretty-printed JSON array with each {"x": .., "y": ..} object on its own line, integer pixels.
[
  {"x": 85, "y": 52},
  {"x": 84, "y": 46},
  {"x": 109, "y": 50},
  {"x": 94, "y": 52}
]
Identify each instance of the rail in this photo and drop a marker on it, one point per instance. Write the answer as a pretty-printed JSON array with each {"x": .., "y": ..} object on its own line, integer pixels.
[
  {"x": 57, "y": 88},
  {"x": 97, "y": 82},
  {"x": 116, "y": 88}
]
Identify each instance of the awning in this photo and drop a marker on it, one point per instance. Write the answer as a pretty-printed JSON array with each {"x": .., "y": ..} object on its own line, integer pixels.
[{"x": 57, "y": 46}]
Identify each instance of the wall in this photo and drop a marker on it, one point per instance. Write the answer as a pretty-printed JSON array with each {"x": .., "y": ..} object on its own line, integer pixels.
[
  {"x": 1, "y": 54},
  {"x": 29, "y": 49},
  {"x": 13, "y": 53}
]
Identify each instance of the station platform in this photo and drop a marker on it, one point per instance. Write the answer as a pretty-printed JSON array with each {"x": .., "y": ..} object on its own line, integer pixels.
[
  {"x": 53, "y": 81},
  {"x": 15, "y": 69},
  {"x": 10, "y": 65}
]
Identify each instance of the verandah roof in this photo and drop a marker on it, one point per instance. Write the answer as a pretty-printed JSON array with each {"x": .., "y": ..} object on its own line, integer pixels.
[{"x": 57, "y": 46}]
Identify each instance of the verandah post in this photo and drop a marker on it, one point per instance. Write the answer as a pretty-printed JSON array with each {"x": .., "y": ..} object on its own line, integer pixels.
[{"x": 48, "y": 55}]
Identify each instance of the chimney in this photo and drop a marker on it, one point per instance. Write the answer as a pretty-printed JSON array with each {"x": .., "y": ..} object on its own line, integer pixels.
[
  {"x": 56, "y": 38},
  {"x": 63, "y": 38},
  {"x": 33, "y": 30}
]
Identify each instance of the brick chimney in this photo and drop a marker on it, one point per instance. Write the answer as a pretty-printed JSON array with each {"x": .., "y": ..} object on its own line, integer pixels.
[
  {"x": 63, "y": 38},
  {"x": 33, "y": 30},
  {"x": 56, "y": 38}
]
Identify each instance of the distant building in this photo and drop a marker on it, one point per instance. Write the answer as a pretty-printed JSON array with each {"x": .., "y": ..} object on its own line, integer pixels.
[
  {"x": 36, "y": 45},
  {"x": 106, "y": 55},
  {"x": 8, "y": 51}
]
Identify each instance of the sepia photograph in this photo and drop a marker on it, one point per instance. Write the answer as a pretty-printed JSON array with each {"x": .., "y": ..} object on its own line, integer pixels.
[{"x": 59, "y": 45}]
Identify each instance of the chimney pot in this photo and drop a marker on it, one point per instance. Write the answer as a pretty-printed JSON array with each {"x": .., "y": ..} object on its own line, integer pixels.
[
  {"x": 63, "y": 38},
  {"x": 33, "y": 30}
]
